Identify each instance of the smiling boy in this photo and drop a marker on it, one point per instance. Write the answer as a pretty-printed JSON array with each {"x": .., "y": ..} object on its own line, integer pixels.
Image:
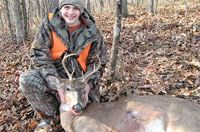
[{"x": 70, "y": 29}]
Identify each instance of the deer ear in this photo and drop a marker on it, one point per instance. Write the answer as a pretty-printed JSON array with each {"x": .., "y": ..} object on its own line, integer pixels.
[{"x": 53, "y": 82}]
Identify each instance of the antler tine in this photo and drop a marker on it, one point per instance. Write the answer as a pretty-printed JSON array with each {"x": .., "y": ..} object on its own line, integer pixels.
[
  {"x": 95, "y": 70},
  {"x": 63, "y": 63}
]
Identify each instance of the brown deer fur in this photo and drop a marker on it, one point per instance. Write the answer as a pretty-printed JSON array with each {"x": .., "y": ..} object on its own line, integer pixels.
[
  {"x": 136, "y": 114},
  {"x": 128, "y": 114}
]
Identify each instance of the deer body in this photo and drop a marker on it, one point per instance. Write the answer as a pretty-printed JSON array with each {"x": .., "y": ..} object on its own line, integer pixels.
[
  {"x": 136, "y": 114},
  {"x": 128, "y": 114}
]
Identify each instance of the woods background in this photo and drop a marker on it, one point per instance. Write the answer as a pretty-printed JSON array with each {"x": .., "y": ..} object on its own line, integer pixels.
[{"x": 158, "y": 51}]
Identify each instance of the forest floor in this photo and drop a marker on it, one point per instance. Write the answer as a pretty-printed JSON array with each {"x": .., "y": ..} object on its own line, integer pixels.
[{"x": 158, "y": 54}]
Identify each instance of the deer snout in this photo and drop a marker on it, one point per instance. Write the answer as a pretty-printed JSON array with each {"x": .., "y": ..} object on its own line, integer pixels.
[{"x": 77, "y": 108}]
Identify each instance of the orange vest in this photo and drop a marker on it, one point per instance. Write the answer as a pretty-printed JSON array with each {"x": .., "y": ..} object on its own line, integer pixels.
[{"x": 59, "y": 48}]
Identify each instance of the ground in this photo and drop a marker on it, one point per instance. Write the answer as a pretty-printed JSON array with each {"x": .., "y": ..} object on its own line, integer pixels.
[{"x": 158, "y": 54}]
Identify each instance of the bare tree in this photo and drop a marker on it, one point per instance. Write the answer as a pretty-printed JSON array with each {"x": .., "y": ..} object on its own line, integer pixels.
[
  {"x": 186, "y": 7},
  {"x": 18, "y": 17},
  {"x": 137, "y": 2},
  {"x": 116, "y": 39},
  {"x": 29, "y": 12},
  {"x": 151, "y": 7},
  {"x": 42, "y": 8},
  {"x": 38, "y": 8},
  {"x": 110, "y": 4},
  {"x": 94, "y": 5},
  {"x": 1, "y": 20},
  {"x": 88, "y": 5},
  {"x": 156, "y": 7},
  {"x": 101, "y": 5},
  {"x": 8, "y": 19},
  {"x": 25, "y": 18},
  {"x": 124, "y": 9}
]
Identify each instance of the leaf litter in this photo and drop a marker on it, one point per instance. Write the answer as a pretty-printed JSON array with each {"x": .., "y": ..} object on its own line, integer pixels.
[{"x": 158, "y": 54}]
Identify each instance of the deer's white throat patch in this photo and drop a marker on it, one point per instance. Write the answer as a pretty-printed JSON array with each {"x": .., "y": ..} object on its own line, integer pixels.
[{"x": 64, "y": 107}]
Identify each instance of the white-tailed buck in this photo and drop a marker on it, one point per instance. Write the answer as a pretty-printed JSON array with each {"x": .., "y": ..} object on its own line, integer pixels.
[{"x": 128, "y": 114}]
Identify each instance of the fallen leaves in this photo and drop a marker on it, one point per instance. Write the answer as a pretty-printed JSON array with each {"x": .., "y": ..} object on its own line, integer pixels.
[{"x": 157, "y": 55}]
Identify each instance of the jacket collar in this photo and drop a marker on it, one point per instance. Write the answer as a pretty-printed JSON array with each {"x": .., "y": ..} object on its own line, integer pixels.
[{"x": 79, "y": 38}]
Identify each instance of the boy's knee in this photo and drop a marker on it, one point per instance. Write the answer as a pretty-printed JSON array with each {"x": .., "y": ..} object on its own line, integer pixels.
[
  {"x": 26, "y": 78},
  {"x": 32, "y": 81}
]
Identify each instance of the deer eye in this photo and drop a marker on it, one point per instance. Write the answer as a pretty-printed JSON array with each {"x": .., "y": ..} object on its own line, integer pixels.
[
  {"x": 68, "y": 89},
  {"x": 84, "y": 92}
]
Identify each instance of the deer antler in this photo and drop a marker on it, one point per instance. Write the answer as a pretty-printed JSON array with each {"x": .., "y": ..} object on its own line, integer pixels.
[
  {"x": 95, "y": 70},
  {"x": 63, "y": 63}
]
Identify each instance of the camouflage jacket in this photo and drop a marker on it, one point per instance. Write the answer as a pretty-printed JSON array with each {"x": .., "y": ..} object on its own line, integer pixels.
[{"x": 41, "y": 59}]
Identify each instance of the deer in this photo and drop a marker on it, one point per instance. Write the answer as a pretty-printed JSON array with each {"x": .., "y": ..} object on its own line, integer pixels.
[{"x": 147, "y": 113}]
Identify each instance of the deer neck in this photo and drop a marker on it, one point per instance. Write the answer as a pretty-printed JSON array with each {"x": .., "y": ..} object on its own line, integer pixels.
[{"x": 64, "y": 107}]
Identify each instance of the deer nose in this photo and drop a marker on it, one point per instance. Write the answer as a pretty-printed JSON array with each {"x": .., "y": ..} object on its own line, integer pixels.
[{"x": 77, "y": 108}]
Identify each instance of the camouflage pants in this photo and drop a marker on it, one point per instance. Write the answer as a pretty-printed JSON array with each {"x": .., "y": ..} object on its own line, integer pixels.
[{"x": 38, "y": 94}]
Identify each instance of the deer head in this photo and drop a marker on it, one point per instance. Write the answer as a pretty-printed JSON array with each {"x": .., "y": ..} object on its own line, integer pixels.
[{"x": 72, "y": 91}]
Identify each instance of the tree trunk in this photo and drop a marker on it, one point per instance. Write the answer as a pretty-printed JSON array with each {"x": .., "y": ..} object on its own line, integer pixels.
[
  {"x": 109, "y": 2},
  {"x": 88, "y": 5},
  {"x": 18, "y": 18},
  {"x": 95, "y": 6},
  {"x": 8, "y": 19},
  {"x": 116, "y": 39},
  {"x": 138, "y": 2},
  {"x": 186, "y": 7},
  {"x": 42, "y": 9},
  {"x": 95, "y": 2},
  {"x": 29, "y": 14},
  {"x": 111, "y": 5},
  {"x": 142, "y": 2},
  {"x": 25, "y": 18},
  {"x": 1, "y": 21},
  {"x": 151, "y": 8},
  {"x": 101, "y": 5},
  {"x": 124, "y": 9},
  {"x": 156, "y": 7},
  {"x": 38, "y": 8}
]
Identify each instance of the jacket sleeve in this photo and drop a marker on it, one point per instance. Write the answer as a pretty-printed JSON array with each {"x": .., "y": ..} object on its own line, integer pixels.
[
  {"x": 97, "y": 49},
  {"x": 41, "y": 59}
]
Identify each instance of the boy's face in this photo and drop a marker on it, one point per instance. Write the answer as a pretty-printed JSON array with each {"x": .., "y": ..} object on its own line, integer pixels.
[{"x": 71, "y": 15}]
